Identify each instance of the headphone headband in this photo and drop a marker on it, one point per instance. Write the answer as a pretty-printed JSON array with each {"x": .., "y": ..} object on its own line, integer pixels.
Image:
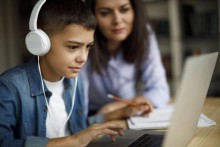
[{"x": 34, "y": 15}]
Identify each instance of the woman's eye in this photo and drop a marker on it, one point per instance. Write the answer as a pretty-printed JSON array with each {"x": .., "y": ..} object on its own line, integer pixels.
[
  {"x": 104, "y": 13},
  {"x": 124, "y": 10}
]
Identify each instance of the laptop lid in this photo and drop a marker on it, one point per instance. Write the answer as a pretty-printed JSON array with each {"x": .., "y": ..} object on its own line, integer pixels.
[{"x": 190, "y": 98}]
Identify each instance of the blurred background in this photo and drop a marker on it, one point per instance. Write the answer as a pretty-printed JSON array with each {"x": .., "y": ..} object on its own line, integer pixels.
[{"x": 183, "y": 28}]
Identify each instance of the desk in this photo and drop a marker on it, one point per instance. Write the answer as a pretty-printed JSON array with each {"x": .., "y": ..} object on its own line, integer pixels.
[{"x": 207, "y": 136}]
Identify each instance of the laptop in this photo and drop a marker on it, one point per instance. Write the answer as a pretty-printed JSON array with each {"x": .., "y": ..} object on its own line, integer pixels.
[{"x": 190, "y": 98}]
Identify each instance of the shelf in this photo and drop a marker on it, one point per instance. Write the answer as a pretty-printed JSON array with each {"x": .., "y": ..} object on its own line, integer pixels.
[{"x": 183, "y": 27}]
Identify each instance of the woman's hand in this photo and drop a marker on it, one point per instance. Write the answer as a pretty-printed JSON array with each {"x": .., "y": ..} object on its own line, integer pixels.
[
  {"x": 83, "y": 138},
  {"x": 120, "y": 110},
  {"x": 111, "y": 107},
  {"x": 143, "y": 102}
]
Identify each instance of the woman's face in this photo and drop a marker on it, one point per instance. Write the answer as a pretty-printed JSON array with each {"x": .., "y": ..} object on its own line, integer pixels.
[{"x": 115, "y": 19}]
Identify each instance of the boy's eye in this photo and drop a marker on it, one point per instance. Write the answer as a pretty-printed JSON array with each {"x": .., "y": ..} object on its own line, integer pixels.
[
  {"x": 89, "y": 46},
  {"x": 71, "y": 47}
]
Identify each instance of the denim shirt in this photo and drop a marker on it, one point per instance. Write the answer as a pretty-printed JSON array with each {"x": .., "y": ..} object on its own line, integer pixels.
[{"x": 23, "y": 108}]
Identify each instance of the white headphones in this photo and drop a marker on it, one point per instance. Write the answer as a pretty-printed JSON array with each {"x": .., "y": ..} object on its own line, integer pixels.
[{"x": 37, "y": 41}]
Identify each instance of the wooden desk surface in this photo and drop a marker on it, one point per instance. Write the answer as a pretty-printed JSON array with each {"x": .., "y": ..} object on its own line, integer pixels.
[
  {"x": 209, "y": 136},
  {"x": 206, "y": 136}
]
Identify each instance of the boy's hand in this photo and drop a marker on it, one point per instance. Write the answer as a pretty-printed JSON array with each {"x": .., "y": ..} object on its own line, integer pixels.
[{"x": 83, "y": 138}]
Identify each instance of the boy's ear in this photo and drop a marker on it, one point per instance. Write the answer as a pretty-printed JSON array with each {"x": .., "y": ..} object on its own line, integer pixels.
[{"x": 37, "y": 41}]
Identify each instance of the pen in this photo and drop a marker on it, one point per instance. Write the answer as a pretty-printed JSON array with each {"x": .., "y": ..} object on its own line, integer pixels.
[{"x": 122, "y": 100}]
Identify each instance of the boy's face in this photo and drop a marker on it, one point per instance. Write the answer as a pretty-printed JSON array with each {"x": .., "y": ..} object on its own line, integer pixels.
[{"x": 68, "y": 53}]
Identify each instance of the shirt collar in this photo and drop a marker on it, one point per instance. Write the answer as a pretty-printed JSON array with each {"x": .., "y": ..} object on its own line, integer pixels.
[{"x": 35, "y": 79}]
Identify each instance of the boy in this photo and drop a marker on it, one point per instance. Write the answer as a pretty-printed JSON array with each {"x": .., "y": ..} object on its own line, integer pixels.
[{"x": 41, "y": 103}]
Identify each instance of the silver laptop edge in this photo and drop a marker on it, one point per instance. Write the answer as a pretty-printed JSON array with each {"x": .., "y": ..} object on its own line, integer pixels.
[{"x": 190, "y": 98}]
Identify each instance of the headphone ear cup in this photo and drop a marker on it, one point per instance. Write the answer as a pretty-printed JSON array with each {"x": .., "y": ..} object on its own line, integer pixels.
[{"x": 37, "y": 42}]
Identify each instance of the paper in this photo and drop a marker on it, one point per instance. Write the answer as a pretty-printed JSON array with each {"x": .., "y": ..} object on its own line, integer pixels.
[
  {"x": 204, "y": 121},
  {"x": 160, "y": 119}
]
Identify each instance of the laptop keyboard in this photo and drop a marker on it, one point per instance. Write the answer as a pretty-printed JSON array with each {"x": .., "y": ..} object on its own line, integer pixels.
[{"x": 148, "y": 140}]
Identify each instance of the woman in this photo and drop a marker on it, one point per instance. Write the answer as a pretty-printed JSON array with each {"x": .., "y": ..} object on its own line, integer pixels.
[{"x": 125, "y": 52}]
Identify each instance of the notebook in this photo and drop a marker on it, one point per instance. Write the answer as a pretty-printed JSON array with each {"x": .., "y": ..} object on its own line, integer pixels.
[
  {"x": 190, "y": 98},
  {"x": 160, "y": 119}
]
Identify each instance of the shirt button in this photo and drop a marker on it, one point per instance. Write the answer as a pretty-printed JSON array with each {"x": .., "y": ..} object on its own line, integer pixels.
[{"x": 48, "y": 94}]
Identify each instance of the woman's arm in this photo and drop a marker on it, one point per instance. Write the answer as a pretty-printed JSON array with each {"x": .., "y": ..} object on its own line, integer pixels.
[{"x": 156, "y": 88}]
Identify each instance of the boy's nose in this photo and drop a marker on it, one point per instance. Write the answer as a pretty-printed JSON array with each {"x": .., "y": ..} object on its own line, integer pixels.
[{"x": 82, "y": 56}]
